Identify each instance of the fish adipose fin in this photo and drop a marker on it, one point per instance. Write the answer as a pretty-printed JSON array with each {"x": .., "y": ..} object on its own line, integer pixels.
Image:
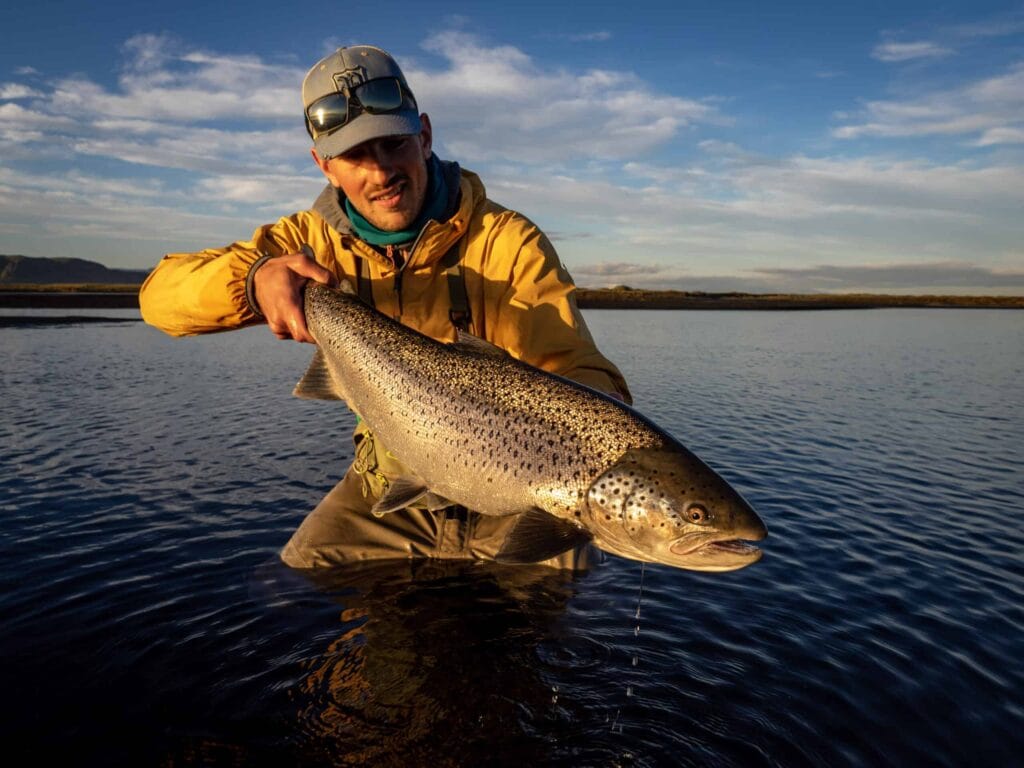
[
  {"x": 539, "y": 536},
  {"x": 317, "y": 383},
  {"x": 470, "y": 343},
  {"x": 401, "y": 493}
]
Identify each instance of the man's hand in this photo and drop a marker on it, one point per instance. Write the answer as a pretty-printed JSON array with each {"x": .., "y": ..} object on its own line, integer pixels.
[{"x": 278, "y": 286}]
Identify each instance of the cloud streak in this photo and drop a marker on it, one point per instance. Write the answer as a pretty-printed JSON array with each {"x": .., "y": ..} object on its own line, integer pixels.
[
  {"x": 955, "y": 277},
  {"x": 899, "y": 52}
]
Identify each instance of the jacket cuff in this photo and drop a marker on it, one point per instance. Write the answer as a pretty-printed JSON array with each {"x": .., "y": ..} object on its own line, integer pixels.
[{"x": 250, "y": 285}]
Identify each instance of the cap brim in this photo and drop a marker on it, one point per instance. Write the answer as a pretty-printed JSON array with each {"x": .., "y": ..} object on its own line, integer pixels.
[{"x": 366, "y": 127}]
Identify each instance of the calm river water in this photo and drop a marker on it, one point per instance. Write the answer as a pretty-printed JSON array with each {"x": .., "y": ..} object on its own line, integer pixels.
[{"x": 148, "y": 483}]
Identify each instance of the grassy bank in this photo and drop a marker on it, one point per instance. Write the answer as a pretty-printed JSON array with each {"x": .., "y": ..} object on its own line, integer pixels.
[
  {"x": 69, "y": 296},
  {"x": 96, "y": 296},
  {"x": 619, "y": 298}
]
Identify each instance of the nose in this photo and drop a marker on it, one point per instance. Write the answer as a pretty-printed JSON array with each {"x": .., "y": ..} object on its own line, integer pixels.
[{"x": 379, "y": 157}]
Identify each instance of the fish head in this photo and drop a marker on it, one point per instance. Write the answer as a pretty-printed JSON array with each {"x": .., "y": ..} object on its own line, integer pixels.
[{"x": 664, "y": 505}]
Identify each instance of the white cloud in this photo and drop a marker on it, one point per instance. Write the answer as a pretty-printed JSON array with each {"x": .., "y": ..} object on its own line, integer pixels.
[
  {"x": 174, "y": 107},
  {"x": 591, "y": 37},
  {"x": 1001, "y": 136},
  {"x": 10, "y": 91},
  {"x": 280, "y": 193},
  {"x": 619, "y": 269},
  {"x": 896, "y": 276},
  {"x": 751, "y": 212},
  {"x": 119, "y": 222},
  {"x": 202, "y": 150},
  {"x": 498, "y": 103},
  {"x": 163, "y": 80},
  {"x": 991, "y": 104},
  {"x": 922, "y": 49},
  {"x": 892, "y": 278}
]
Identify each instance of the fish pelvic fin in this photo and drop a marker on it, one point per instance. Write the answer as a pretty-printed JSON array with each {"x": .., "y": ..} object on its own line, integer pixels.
[
  {"x": 539, "y": 536},
  {"x": 317, "y": 383},
  {"x": 401, "y": 493}
]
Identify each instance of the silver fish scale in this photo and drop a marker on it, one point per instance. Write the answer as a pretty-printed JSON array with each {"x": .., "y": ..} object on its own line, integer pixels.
[{"x": 483, "y": 430}]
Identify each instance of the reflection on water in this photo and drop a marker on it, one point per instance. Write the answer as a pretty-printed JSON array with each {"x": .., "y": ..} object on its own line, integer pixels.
[
  {"x": 147, "y": 485},
  {"x": 415, "y": 675}
]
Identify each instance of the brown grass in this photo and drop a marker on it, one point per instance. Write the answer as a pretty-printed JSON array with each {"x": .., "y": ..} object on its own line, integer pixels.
[
  {"x": 85, "y": 295},
  {"x": 630, "y": 298}
]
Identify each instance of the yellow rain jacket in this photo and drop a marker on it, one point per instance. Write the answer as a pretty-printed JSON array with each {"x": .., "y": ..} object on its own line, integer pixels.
[{"x": 520, "y": 298}]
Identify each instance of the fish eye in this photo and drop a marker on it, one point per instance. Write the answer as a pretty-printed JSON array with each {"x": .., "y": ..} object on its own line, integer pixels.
[{"x": 697, "y": 514}]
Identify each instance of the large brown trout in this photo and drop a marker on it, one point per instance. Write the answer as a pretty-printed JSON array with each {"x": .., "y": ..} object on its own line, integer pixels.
[{"x": 483, "y": 430}]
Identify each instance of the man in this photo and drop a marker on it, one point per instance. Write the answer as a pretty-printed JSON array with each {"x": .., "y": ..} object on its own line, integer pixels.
[{"x": 424, "y": 245}]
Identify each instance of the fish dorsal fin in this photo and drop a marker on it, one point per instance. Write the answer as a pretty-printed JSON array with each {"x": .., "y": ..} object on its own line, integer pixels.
[
  {"x": 470, "y": 343},
  {"x": 401, "y": 492},
  {"x": 317, "y": 383},
  {"x": 538, "y": 536},
  {"x": 344, "y": 286}
]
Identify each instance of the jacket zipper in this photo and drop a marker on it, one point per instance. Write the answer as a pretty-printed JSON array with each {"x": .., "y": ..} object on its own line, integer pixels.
[{"x": 398, "y": 279}]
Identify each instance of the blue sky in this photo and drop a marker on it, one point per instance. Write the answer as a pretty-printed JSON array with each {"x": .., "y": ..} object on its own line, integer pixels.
[{"x": 745, "y": 146}]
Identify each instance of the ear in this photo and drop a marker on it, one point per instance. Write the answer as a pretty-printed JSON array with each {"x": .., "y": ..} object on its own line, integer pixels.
[
  {"x": 325, "y": 168},
  {"x": 426, "y": 135},
  {"x": 320, "y": 162}
]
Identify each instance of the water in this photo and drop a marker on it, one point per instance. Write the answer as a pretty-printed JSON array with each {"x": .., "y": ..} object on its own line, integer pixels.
[{"x": 147, "y": 484}]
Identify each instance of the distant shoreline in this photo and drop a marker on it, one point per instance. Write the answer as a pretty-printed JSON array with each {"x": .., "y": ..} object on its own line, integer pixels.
[{"x": 96, "y": 296}]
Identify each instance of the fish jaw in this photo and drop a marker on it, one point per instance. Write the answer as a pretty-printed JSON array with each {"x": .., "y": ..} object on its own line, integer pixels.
[{"x": 664, "y": 505}]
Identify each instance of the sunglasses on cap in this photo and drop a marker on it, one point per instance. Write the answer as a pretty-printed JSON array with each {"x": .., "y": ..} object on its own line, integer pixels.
[{"x": 375, "y": 97}]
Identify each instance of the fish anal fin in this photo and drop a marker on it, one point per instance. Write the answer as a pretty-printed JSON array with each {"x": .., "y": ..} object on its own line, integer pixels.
[
  {"x": 538, "y": 536},
  {"x": 317, "y": 382},
  {"x": 401, "y": 492}
]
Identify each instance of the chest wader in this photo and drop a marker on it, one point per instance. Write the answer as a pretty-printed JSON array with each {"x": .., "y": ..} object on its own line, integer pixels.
[{"x": 376, "y": 465}]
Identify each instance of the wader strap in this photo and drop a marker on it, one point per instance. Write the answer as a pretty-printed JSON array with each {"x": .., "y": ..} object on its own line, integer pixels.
[
  {"x": 459, "y": 314},
  {"x": 365, "y": 464},
  {"x": 363, "y": 286}
]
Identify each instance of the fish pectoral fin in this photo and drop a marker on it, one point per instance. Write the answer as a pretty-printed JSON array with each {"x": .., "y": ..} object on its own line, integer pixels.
[
  {"x": 317, "y": 383},
  {"x": 400, "y": 494},
  {"x": 467, "y": 342},
  {"x": 538, "y": 536}
]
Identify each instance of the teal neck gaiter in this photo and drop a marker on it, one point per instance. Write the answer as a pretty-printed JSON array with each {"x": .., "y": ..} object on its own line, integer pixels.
[{"x": 433, "y": 208}]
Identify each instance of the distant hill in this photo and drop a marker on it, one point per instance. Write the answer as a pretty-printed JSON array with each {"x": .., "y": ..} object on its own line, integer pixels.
[{"x": 35, "y": 270}]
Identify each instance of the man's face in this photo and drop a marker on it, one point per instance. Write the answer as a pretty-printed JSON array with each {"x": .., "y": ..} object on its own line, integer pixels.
[{"x": 385, "y": 179}]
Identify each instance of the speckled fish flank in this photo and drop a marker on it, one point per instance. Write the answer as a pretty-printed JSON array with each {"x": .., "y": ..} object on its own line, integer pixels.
[{"x": 488, "y": 432}]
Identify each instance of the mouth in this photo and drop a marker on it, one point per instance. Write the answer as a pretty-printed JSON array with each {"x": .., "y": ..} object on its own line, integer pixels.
[
  {"x": 703, "y": 553},
  {"x": 390, "y": 197}
]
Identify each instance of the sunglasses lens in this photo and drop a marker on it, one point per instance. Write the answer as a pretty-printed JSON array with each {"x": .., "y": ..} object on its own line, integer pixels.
[
  {"x": 328, "y": 113},
  {"x": 384, "y": 95},
  {"x": 375, "y": 97}
]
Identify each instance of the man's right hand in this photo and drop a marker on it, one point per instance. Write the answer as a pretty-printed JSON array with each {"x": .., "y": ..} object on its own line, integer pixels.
[{"x": 278, "y": 286}]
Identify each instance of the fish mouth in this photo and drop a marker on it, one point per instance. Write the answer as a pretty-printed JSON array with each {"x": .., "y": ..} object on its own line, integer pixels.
[{"x": 703, "y": 553}]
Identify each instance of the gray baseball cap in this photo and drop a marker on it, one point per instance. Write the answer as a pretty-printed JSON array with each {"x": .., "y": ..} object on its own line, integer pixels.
[{"x": 342, "y": 72}]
